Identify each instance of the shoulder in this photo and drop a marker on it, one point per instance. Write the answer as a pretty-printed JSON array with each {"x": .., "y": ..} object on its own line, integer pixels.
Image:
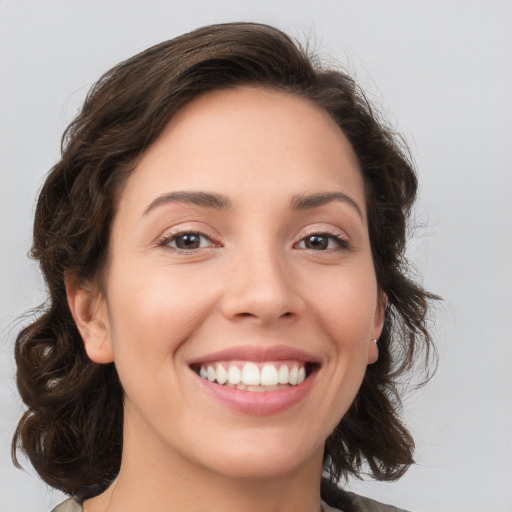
[
  {"x": 362, "y": 504},
  {"x": 70, "y": 505},
  {"x": 339, "y": 500},
  {"x": 335, "y": 498}
]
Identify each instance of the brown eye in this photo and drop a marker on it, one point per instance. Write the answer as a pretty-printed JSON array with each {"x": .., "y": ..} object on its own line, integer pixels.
[
  {"x": 186, "y": 241},
  {"x": 323, "y": 242},
  {"x": 316, "y": 242}
]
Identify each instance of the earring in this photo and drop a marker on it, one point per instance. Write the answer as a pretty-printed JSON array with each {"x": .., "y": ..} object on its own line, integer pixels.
[{"x": 377, "y": 348}]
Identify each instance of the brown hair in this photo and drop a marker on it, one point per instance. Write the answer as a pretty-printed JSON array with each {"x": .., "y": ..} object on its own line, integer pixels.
[{"x": 72, "y": 430}]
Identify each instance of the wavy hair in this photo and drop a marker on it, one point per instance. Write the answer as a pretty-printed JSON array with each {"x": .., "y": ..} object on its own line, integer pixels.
[{"x": 72, "y": 429}]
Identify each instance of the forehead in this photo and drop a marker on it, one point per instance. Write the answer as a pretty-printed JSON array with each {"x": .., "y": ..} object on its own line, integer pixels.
[{"x": 250, "y": 143}]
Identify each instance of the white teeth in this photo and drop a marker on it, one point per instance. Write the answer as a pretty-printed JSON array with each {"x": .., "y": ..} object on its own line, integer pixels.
[
  {"x": 283, "y": 374},
  {"x": 222, "y": 375},
  {"x": 269, "y": 375},
  {"x": 251, "y": 375},
  {"x": 234, "y": 375},
  {"x": 210, "y": 374},
  {"x": 251, "y": 378},
  {"x": 256, "y": 389},
  {"x": 293, "y": 377}
]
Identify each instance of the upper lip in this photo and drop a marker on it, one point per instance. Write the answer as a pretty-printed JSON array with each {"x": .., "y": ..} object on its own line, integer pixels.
[{"x": 257, "y": 353}]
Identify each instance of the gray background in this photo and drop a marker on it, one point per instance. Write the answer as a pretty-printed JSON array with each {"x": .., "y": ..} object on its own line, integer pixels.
[{"x": 442, "y": 71}]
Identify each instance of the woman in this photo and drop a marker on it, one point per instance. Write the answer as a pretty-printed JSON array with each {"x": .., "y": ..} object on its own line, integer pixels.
[{"x": 229, "y": 311}]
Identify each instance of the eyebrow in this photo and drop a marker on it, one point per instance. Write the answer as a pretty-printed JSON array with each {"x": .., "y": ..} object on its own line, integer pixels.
[
  {"x": 222, "y": 202},
  {"x": 305, "y": 202},
  {"x": 204, "y": 199}
]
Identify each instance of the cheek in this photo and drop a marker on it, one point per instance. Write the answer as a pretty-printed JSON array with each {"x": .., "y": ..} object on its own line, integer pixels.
[
  {"x": 155, "y": 311},
  {"x": 346, "y": 304}
]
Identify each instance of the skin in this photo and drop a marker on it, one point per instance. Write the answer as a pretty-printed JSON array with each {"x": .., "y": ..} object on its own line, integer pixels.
[{"x": 253, "y": 280}]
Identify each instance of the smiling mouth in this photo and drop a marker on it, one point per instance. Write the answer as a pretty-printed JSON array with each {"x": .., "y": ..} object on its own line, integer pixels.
[{"x": 255, "y": 376}]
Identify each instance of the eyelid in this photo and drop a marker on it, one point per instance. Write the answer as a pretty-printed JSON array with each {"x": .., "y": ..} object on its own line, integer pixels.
[
  {"x": 173, "y": 233},
  {"x": 340, "y": 237}
]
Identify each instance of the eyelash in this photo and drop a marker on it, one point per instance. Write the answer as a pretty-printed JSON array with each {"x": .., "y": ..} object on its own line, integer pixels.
[
  {"x": 340, "y": 240},
  {"x": 165, "y": 241}
]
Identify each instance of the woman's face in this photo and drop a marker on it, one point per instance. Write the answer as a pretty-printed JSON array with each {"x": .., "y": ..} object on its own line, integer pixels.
[{"x": 240, "y": 250}]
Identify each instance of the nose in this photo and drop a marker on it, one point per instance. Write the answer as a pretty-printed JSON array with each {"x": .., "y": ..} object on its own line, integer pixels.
[{"x": 261, "y": 288}]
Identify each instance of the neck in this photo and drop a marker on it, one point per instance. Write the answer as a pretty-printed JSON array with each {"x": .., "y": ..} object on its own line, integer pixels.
[
  {"x": 161, "y": 481},
  {"x": 180, "y": 492}
]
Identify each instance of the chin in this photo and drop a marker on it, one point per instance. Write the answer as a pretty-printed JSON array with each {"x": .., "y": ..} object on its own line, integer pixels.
[{"x": 264, "y": 457}]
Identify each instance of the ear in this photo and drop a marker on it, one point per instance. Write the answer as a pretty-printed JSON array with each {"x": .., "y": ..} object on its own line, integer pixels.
[
  {"x": 378, "y": 323},
  {"x": 89, "y": 310}
]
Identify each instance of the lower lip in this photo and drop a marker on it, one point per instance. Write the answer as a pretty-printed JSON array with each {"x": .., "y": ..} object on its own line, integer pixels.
[{"x": 259, "y": 403}]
